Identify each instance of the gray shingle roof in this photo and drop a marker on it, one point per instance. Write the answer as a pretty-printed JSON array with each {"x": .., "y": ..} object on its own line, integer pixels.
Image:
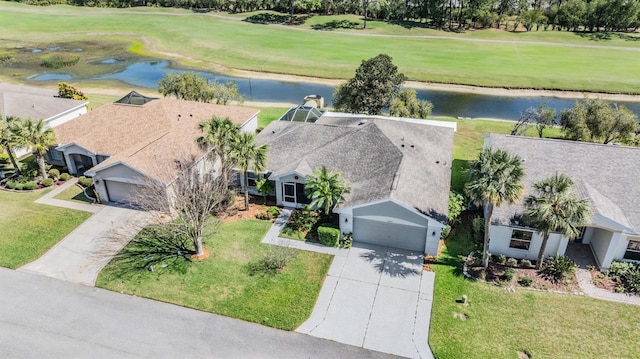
[
  {"x": 32, "y": 102},
  {"x": 607, "y": 175},
  {"x": 377, "y": 157}
]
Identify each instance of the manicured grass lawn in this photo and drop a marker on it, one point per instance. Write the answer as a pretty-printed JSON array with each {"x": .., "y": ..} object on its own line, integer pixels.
[
  {"x": 205, "y": 41},
  {"x": 222, "y": 284},
  {"x": 73, "y": 193},
  {"x": 28, "y": 230},
  {"x": 545, "y": 325},
  {"x": 269, "y": 114}
]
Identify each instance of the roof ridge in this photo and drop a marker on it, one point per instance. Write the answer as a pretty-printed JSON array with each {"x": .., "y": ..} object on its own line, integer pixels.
[{"x": 567, "y": 141}]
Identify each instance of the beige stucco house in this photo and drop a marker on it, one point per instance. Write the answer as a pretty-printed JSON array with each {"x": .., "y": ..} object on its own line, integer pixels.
[
  {"x": 125, "y": 144},
  {"x": 606, "y": 175}
]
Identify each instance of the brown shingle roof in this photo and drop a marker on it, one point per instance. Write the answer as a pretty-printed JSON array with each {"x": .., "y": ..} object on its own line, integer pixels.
[{"x": 149, "y": 137}]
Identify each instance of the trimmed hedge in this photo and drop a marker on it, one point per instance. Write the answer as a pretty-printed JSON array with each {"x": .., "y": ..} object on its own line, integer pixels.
[
  {"x": 54, "y": 173},
  {"x": 65, "y": 176},
  {"x": 85, "y": 181},
  {"x": 47, "y": 182},
  {"x": 329, "y": 236},
  {"x": 30, "y": 185}
]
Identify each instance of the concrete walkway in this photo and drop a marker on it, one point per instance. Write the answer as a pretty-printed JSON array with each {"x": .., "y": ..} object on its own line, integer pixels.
[
  {"x": 82, "y": 254},
  {"x": 50, "y": 200},
  {"x": 589, "y": 289},
  {"x": 45, "y": 318},
  {"x": 374, "y": 297}
]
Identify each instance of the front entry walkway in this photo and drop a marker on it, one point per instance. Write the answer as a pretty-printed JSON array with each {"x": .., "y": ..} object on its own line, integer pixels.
[{"x": 374, "y": 297}]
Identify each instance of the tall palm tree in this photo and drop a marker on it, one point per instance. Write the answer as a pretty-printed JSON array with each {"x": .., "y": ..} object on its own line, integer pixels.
[
  {"x": 555, "y": 208},
  {"x": 8, "y": 139},
  {"x": 325, "y": 189},
  {"x": 244, "y": 154},
  {"x": 218, "y": 134},
  {"x": 494, "y": 178},
  {"x": 35, "y": 134}
]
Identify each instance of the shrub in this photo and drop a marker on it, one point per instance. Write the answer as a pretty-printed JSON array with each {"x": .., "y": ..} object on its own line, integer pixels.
[
  {"x": 626, "y": 274},
  {"x": 619, "y": 270},
  {"x": 456, "y": 206},
  {"x": 19, "y": 186},
  {"x": 346, "y": 241},
  {"x": 47, "y": 182},
  {"x": 274, "y": 259},
  {"x": 85, "y": 181},
  {"x": 512, "y": 262},
  {"x": 265, "y": 216},
  {"x": 303, "y": 220},
  {"x": 558, "y": 267},
  {"x": 445, "y": 232},
  {"x": 58, "y": 61},
  {"x": 500, "y": 259},
  {"x": 477, "y": 227},
  {"x": 30, "y": 185},
  {"x": 11, "y": 184},
  {"x": 525, "y": 281},
  {"x": 54, "y": 173},
  {"x": 4, "y": 158},
  {"x": 329, "y": 236},
  {"x": 273, "y": 211},
  {"x": 525, "y": 263},
  {"x": 508, "y": 274},
  {"x": 65, "y": 176}
]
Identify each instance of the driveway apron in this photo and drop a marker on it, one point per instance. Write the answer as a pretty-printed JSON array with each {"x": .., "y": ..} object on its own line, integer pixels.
[
  {"x": 82, "y": 254},
  {"x": 378, "y": 298}
]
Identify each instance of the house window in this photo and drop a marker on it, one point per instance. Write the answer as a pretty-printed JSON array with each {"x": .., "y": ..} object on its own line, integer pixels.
[
  {"x": 520, "y": 239},
  {"x": 633, "y": 250},
  {"x": 55, "y": 155},
  {"x": 252, "y": 178}
]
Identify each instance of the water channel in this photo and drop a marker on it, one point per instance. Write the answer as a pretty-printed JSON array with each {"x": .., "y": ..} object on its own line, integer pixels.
[{"x": 146, "y": 74}]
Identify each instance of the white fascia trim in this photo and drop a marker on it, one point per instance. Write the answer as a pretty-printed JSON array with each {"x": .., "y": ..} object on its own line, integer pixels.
[{"x": 350, "y": 210}]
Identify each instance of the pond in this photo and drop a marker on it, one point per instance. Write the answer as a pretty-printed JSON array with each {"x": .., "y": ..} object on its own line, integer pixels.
[{"x": 148, "y": 73}]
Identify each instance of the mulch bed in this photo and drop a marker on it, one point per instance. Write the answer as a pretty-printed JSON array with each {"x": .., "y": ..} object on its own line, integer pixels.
[
  {"x": 495, "y": 271},
  {"x": 600, "y": 280},
  {"x": 236, "y": 211}
]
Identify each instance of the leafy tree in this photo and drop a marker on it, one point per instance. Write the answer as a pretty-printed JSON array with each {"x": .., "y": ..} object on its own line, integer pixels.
[
  {"x": 494, "y": 178},
  {"x": 68, "y": 91},
  {"x": 554, "y": 208},
  {"x": 542, "y": 117},
  {"x": 218, "y": 134},
  {"x": 408, "y": 105},
  {"x": 185, "y": 86},
  {"x": 265, "y": 187},
  {"x": 8, "y": 139},
  {"x": 325, "y": 189},
  {"x": 226, "y": 92},
  {"x": 597, "y": 120},
  {"x": 245, "y": 154},
  {"x": 34, "y": 134},
  {"x": 376, "y": 83}
]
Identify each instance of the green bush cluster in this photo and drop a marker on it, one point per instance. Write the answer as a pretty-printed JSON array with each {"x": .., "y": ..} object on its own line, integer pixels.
[
  {"x": 626, "y": 274},
  {"x": 274, "y": 211},
  {"x": 19, "y": 186},
  {"x": 303, "y": 219},
  {"x": 508, "y": 274},
  {"x": 525, "y": 263},
  {"x": 329, "y": 236},
  {"x": 558, "y": 267},
  {"x": 4, "y": 158},
  {"x": 54, "y": 173},
  {"x": 512, "y": 262},
  {"x": 85, "y": 181},
  {"x": 47, "y": 182},
  {"x": 11, "y": 184},
  {"x": 65, "y": 176},
  {"x": 58, "y": 61},
  {"x": 525, "y": 281},
  {"x": 31, "y": 185},
  {"x": 499, "y": 259}
]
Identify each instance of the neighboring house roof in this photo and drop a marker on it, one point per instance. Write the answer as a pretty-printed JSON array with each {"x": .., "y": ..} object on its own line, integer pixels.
[
  {"x": 149, "y": 137},
  {"x": 605, "y": 174},
  {"x": 35, "y": 103},
  {"x": 379, "y": 158}
]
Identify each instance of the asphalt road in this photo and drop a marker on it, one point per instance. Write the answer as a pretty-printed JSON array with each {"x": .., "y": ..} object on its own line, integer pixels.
[{"x": 43, "y": 317}]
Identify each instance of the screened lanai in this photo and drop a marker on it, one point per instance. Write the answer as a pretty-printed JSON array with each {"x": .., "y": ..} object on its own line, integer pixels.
[{"x": 302, "y": 113}]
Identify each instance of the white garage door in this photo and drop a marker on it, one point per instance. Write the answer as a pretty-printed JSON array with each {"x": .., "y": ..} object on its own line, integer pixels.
[
  {"x": 121, "y": 192},
  {"x": 389, "y": 234}
]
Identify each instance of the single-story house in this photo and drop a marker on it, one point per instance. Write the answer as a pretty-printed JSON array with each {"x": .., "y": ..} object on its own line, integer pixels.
[
  {"x": 399, "y": 172},
  {"x": 38, "y": 104},
  {"x": 607, "y": 175},
  {"x": 136, "y": 138}
]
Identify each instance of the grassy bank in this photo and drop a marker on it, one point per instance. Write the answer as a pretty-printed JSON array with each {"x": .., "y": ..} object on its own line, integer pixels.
[{"x": 206, "y": 40}]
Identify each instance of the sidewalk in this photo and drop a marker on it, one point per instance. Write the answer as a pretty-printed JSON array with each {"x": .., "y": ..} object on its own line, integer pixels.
[
  {"x": 50, "y": 200},
  {"x": 590, "y": 290}
]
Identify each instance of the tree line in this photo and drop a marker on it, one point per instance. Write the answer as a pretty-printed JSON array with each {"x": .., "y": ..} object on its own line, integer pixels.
[{"x": 571, "y": 15}]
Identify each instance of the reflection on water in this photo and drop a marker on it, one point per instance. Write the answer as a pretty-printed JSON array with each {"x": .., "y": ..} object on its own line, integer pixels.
[{"x": 148, "y": 73}]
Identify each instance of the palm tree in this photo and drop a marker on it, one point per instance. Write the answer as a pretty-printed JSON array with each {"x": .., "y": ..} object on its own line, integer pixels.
[
  {"x": 218, "y": 134},
  {"x": 554, "y": 208},
  {"x": 494, "y": 178},
  {"x": 8, "y": 140},
  {"x": 35, "y": 134},
  {"x": 244, "y": 154},
  {"x": 325, "y": 189}
]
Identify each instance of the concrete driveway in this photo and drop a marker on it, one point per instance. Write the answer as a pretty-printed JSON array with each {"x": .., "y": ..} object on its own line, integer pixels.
[
  {"x": 378, "y": 298},
  {"x": 82, "y": 254}
]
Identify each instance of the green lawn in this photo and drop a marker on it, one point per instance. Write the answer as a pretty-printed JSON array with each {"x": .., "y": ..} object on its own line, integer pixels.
[
  {"x": 545, "y": 325},
  {"x": 28, "y": 230},
  {"x": 222, "y": 284},
  {"x": 269, "y": 114},
  {"x": 206, "y": 41},
  {"x": 73, "y": 193}
]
